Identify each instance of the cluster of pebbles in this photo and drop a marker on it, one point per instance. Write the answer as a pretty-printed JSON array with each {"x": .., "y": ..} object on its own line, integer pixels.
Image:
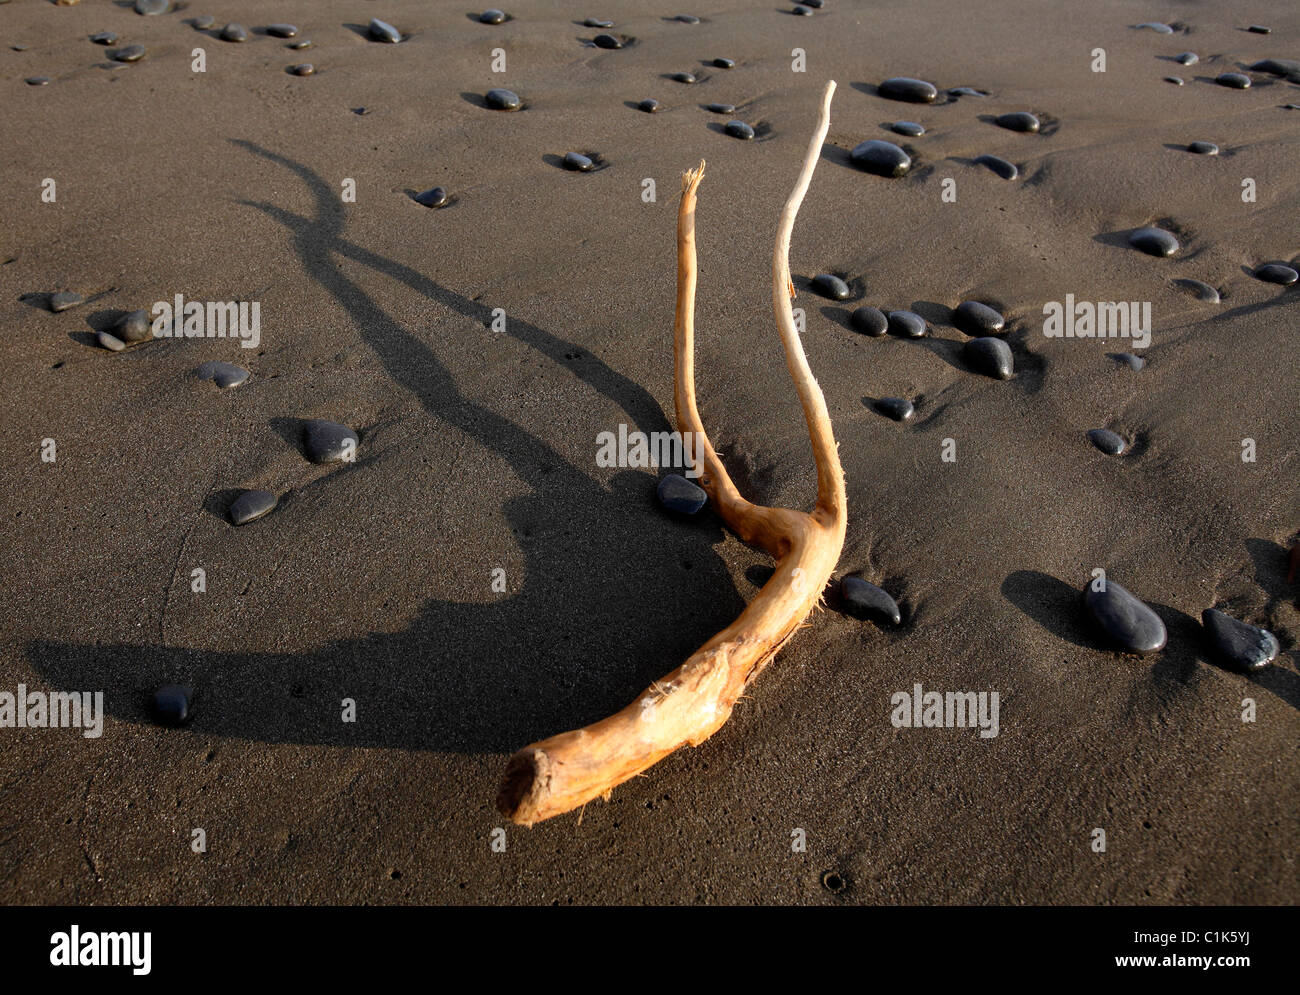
[{"x": 1126, "y": 622}]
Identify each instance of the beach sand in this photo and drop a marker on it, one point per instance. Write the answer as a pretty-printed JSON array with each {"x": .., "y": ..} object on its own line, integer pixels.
[{"x": 372, "y": 580}]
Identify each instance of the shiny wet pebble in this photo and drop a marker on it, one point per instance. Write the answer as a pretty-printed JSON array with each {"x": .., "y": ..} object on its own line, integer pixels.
[
  {"x": 383, "y": 31},
  {"x": 1239, "y": 644},
  {"x": 234, "y": 32},
  {"x": 975, "y": 318},
  {"x": 502, "y": 100},
  {"x": 881, "y": 158},
  {"x": 1123, "y": 618},
  {"x": 907, "y": 89},
  {"x": 868, "y": 602},
  {"x": 1154, "y": 241},
  {"x": 1021, "y": 121},
  {"x": 991, "y": 356},
  {"x": 909, "y": 128},
  {"x": 1277, "y": 273},
  {"x": 327, "y": 441},
  {"x": 897, "y": 408},
  {"x": 739, "y": 129},
  {"x": 1235, "y": 81},
  {"x": 870, "y": 321},
  {"x": 435, "y": 197},
  {"x": 171, "y": 704},
  {"x": 907, "y": 324},
  {"x": 1110, "y": 443},
  {"x": 832, "y": 286},
  {"x": 1000, "y": 166}
]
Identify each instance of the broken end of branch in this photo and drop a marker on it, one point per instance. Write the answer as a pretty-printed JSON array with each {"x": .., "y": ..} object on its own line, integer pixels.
[
  {"x": 525, "y": 783},
  {"x": 691, "y": 179}
]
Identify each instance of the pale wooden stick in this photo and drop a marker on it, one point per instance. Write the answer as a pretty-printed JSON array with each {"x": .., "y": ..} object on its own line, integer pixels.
[{"x": 690, "y": 704}]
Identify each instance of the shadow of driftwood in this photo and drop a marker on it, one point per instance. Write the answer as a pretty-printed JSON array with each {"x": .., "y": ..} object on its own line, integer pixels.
[{"x": 608, "y": 602}]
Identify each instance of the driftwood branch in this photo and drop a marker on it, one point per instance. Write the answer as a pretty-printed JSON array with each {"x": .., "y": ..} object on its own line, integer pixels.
[{"x": 688, "y": 706}]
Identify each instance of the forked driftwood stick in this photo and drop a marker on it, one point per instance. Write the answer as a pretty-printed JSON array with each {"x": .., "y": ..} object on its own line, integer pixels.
[{"x": 690, "y": 704}]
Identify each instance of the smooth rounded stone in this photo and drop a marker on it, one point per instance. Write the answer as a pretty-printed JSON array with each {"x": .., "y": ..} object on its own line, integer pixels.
[
  {"x": 907, "y": 324},
  {"x": 134, "y": 327},
  {"x": 676, "y": 493},
  {"x": 302, "y": 69},
  {"x": 300, "y": 44},
  {"x": 967, "y": 91},
  {"x": 65, "y": 299},
  {"x": 881, "y": 158},
  {"x": 282, "y": 30},
  {"x": 832, "y": 286},
  {"x": 596, "y": 22},
  {"x": 1154, "y": 241},
  {"x": 1176, "y": 80},
  {"x": 907, "y": 89},
  {"x": 683, "y": 77},
  {"x": 203, "y": 22},
  {"x": 1004, "y": 169},
  {"x": 578, "y": 162},
  {"x": 801, "y": 11},
  {"x": 1157, "y": 27},
  {"x": 131, "y": 53},
  {"x": 233, "y": 32},
  {"x": 1259, "y": 29},
  {"x": 37, "y": 81},
  {"x": 1277, "y": 67},
  {"x": 607, "y": 41},
  {"x": 1239, "y": 644},
  {"x": 909, "y": 128},
  {"x": 725, "y": 63},
  {"x": 493, "y": 16},
  {"x": 1128, "y": 359},
  {"x": 1187, "y": 58},
  {"x": 250, "y": 506},
  {"x": 739, "y": 129},
  {"x": 975, "y": 318},
  {"x": 1235, "y": 81},
  {"x": 649, "y": 105},
  {"x": 104, "y": 38},
  {"x": 990, "y": 356},
  {"x": 1110, "y": 443},
  {"x": 1277, "y": 273},
  {"x": 327, "y": 441},
  {"x": 150, "y": 8},
  {"x": 435, "y": 197},
  {"x": 383, "y": 31},
  {"x": 1125, "y": 619},
  {"x": 1203, "y": 148},
  {"x": 1021, "y": 121},
  {"x": 722, "y": 108},
  {"x": 1291, "y": 107},
  {"x": 110, "y": 341},
  {"x": 870, "y": 321},
  {"x": 224, "y": 375},
  {"x": 867, "y": 602},
  {"x": 172, "y": 704},
  {"x": 1203, "y": 291},
  {"x": 687, "y": 18},
  {"x": 503, "y": 100},
  {"x": 897, "y": 408}
]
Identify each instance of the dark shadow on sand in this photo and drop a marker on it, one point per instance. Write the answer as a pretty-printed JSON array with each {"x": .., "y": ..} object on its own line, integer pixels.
[{"x": 614, "y": 593}]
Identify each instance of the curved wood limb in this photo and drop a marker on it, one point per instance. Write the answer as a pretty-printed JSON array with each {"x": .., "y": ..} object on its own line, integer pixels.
[{"x": 688, "y": 706}]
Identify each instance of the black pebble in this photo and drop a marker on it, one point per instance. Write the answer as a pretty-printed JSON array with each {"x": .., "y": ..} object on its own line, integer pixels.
[
  {"x": 37, "y": 80},
  {"x": 725, "y": 63},
  {"x": 683, "y": 77},
  {"x": 104, "y": 38},
  {"x": 1128, "y": 359},
  {"x": 1004, "y": 169},
  {"x": 870, "y": 321},
  {"x": 596, "y": 22},
  {"x": 739, "y": 129},
  {"x": 1239, "y": 644},
  {"x": 493, "y": 16},
  {"x": 1018, "y": 121},
  {"x": 897, "y": 408},
  {"x": 502, "y": 100},
  {"x": 907, "y": 324},
  {"x": 578, "y": 162},
  {"x": 435, "y": 197},
  {"x": 234, "y": 32},
  {"x": 1259, "y": 29},
  {"x": 1236, "y": 81},
  {"x": 302, "y": 69},
  {"x": 881, "y": 158},
  {"x": 383, "y": 31},
  {"x": 832, "y": 286},
  {"x": 868, "y": 602},
  {"x": 1176, "y": 80},
  {"x": 1154, "y": 241},
  {"x": 327, "y": 441},
  {"x": 170, "y": 704},
  {"x": 649, "y": 105},
  {"x": 723, "y": 108},
  {"x": 975, "y": 318},
  {"x": 131, "y": 53},
  {"x": 905, "y": 88},
  {"x": 282, "y": 30},
  {"x": 990, "y": 356},
  {"x": 1125, "y": 619},
  {"x": 250, "y": 506},
  {"x": 1277, "y": 273},
  {"x": 676, "y": 493},
  {"x": 607, "y": 41},
  {"x": 1188, "y": 58},
  {"x": 909, "y": 128},
  {"x": 1110, "y": 443},
  {"x": 1203, "y": 148},
  {"x": 688, "y": 19}
]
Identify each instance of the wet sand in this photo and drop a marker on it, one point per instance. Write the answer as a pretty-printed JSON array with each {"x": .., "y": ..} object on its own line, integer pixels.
[{"x": 372, "y": 580}]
